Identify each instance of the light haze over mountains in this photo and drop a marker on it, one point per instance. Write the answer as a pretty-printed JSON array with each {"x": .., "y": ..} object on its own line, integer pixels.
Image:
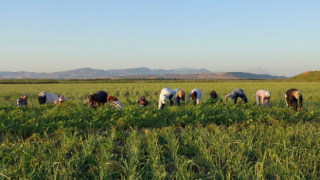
[{"x": 135, "y": 73}]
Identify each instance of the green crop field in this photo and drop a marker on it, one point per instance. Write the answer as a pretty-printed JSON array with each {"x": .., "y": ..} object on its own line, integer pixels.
[{"x": 205, "y": 141}]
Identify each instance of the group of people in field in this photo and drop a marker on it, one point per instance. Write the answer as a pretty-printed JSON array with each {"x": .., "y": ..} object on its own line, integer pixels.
[{"x": 175, "y": 96}]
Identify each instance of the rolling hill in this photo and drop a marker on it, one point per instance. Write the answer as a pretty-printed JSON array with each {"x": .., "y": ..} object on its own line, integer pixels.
[{"x": 307, "y": 76}]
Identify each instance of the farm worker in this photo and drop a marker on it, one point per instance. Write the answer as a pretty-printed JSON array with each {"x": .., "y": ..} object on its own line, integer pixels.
[
  {"x": 98, "y": 98},
  {"x": 47, "y": 97},
  {"x": 22, "y": 101},
  {"x": 180, "y": 96},
  {"x": 195, "y": 95},
  {"x": 292, "y": 96},
  {"x": 264, "y": 96},
  {"x": 115, "y": 103},
  {"x": 234, "y": 96},
  {"x": 214, "y": 98},
  {"x": 166, "y": 93},
  {"x": 143, "y": 102}
]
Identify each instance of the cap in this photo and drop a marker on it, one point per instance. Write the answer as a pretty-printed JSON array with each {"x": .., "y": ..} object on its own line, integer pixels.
[{"x": 110, "y": 98}]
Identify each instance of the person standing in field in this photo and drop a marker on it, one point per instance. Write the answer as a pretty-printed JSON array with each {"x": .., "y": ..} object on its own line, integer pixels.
[
  {"x": 98, "y": 98},
  {"x": 292, "y": 97},
  {"x": 234, "y": 96},
  {"x": 143, "y": 102},
  {"x": 263, "y": 96},
  {"x": 47, "y": 97},
  {"x": 214, "y": 98},
  {"x": 22, "y": 101},
  {"x": 115, "y": 103},
  {"x": 180, "y": 96},
  {"x": 195, "y": 95}
]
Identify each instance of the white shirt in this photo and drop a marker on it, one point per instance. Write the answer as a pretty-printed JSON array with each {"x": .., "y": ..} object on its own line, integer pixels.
[
  {"x": 166, "y": 93},
  {"x": 52, "y": 98},
  {"x": 199, "y": 95}
]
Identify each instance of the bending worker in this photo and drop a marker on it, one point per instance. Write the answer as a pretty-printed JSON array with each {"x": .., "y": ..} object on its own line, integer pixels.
[
  {"x": 47, "y": 97},
  {"x": 292, "y": 96},
  {"x": 214, "y": 98},
  {"x": 264, "y": 96},
  {"x": 195, "y": 95},
  {"x": 173, "y": 95},
  {"x": 143, "y": 102},
  {"x": 22, "y": 101},
  {"x": 115, "y": 103},
  {"x": 180, "y": 96},
  {"x": 99, "y": 98},
  {"x": 234, "y": 96}
]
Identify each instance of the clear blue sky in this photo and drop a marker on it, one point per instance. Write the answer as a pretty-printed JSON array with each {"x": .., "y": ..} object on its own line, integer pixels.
[{"x": 280, "y": 36}]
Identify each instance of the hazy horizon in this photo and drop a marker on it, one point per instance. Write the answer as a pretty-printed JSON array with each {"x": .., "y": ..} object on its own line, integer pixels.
[{"x": 281, "y": 37}]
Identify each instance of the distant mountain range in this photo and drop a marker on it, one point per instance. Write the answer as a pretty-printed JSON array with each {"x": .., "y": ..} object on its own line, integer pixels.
[
  {"x": 258, "y": 70},
  {"x": 85, "y": 73}
]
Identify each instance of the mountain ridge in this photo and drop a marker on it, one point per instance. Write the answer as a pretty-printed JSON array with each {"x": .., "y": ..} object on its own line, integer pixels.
[{"x": 144, "y": 72}]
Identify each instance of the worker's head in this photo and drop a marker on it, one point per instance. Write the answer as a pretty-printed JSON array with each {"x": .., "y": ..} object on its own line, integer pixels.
[
  {"x": 245, "y": 99},
  {"x": 24, "y": 97},
  {"x": 111, "y": 98},
  {"x": 180, "y": 94},
  {"x": 193, "y": 95},
  {"x": 267, "y": 94},
  {"x": 297, "y": 94},
  {"x": 90, "y": 99},
  {"x": 143, "y": 101},
  {"x": 61, "y": 99},
  {"x": 213, "y": 94}
]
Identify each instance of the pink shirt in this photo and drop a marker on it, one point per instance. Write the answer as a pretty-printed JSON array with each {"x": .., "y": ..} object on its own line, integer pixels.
[{"x": 261, "y": 97}]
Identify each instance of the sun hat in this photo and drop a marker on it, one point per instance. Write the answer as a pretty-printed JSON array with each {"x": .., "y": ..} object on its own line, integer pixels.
[
  {"x": 42, "y": 94},
  {"x": 62, "y": 98},
  {"x": 267, "y": 94}
]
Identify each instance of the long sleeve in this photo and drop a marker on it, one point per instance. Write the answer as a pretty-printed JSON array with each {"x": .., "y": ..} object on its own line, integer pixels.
[
  {"x": 189, "y": 95},
  {"x": 226, "y": 97}
]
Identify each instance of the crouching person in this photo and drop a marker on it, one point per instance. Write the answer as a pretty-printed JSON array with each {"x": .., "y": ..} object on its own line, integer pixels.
[
  {"x": 97, "y": 99},
  {"x": 234, "y": 96},
  {"x": 180, "y": 97},
  {"x": 143, "y": 102},
  {"x": 164, "y": 95},
  {"x": 292, "y": 97},
  {"x": 47, "y": 97},
  {"x": 22, "y": 101},
  {"x": 214, "y": 98},
  {"x": 115, "y": 103},
  {"x": 264, "y": 96},
  {"x": 195, "y": 95}
]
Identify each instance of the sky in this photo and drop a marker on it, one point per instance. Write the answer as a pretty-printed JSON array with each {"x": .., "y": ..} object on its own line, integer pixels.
[{"x": 279, "y": 36}]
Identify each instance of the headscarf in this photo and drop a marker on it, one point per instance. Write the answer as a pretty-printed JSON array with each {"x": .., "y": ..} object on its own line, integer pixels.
[
  {"x": 180, "y": 94},
  {"x": 111, "y": 98},
  {"x": 213, "y": 94},
  {"x": 194, "y": 94},
  {"x": 296, "y": 94},
  {"x": 62, "y": 98}
]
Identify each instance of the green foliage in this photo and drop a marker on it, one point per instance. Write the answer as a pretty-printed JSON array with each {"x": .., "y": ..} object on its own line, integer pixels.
[{"x": 205, "y": 141}]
